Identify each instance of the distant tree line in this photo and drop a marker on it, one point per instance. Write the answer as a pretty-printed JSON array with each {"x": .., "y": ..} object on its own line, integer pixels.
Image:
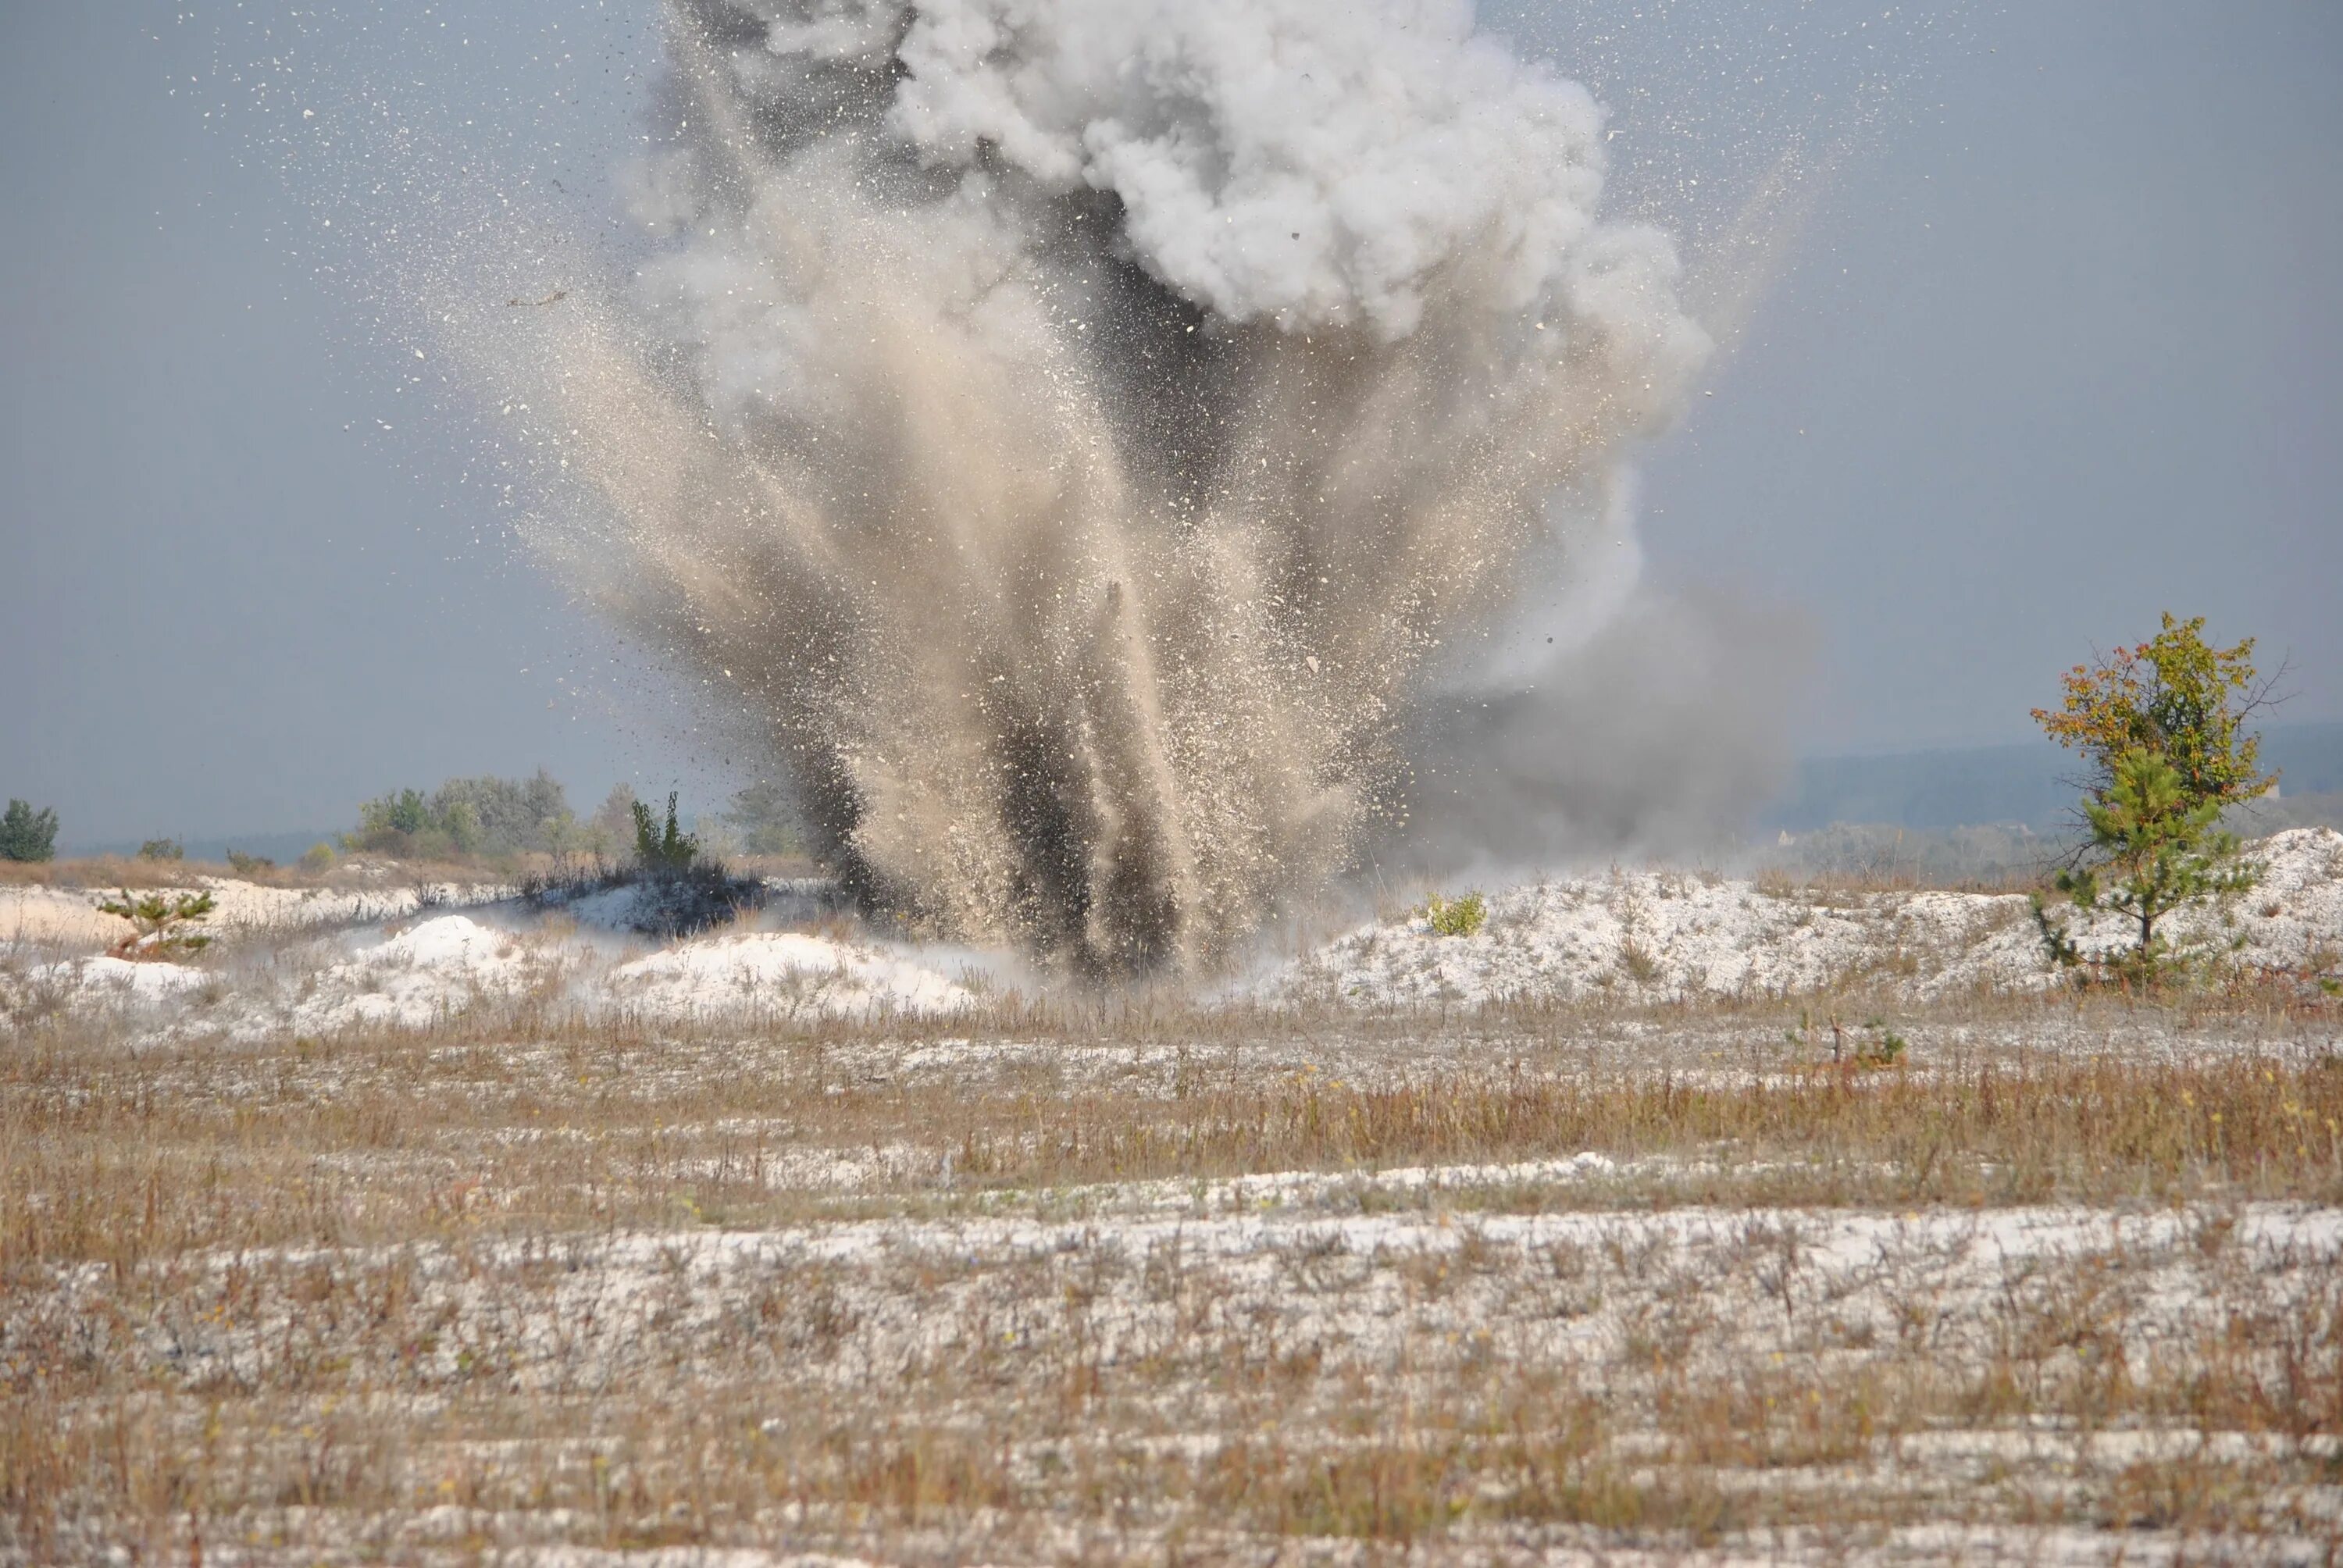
[
  {"x": 492, "y": 818},
  {"x": 765, "y": 822},
  {"x": 467, "y": 817},
  {"x": 486, "y": 818}
]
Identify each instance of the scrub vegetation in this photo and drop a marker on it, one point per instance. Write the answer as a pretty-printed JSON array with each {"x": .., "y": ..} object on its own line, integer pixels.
[
  {"x": 2162, "y": 729},
  {"x": 444, "y": 1238},
  {"x": 1133, "y": 1281}
]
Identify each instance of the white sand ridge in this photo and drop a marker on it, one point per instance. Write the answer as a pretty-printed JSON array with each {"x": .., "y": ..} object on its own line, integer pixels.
[
  {"x": 1668, "y": 935},
  {"x": 1646, "y": 936}
]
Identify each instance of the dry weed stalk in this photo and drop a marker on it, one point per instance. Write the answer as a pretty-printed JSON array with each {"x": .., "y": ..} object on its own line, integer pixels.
[{"x": 493, "y": 1286}]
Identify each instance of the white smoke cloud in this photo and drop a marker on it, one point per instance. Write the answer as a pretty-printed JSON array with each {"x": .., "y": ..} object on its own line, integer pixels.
[
  {"x": 1313, "y": 165},
  {"x": 1654, "y": 736},
  {"x": 1080, "y": 431}
]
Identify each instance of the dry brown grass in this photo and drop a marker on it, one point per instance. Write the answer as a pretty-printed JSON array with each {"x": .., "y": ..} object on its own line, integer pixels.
[
  {"x": 354, "y": 1139},
  {"x": 526, "y": 1283},
  {"x": 99, "y": 872}
]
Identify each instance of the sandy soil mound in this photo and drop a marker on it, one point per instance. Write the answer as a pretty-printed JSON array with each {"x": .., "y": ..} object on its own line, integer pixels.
[
  {"x": 785, "y": 973},
  {"x": 412, "y": 977},
  {"x": 67, "y": 919},
  {"x": 1639, "y": 936},
  {"x": 1660, "y": 935}
]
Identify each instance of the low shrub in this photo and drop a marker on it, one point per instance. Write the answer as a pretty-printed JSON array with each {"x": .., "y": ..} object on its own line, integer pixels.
[
  {"x": 1462, "y": 917},
  {"x": 671, "y": 851},
  {"x": 161, "y": 923},
  {"x": 678, "y": 887},
  {"x": 162, "y": 849},
  {"x": 1886, "y": 1048},
  {"x": 678, "y": 903}
]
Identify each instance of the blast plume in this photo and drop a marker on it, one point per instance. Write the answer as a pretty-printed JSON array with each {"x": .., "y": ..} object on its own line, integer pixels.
[{"x": 1077, "y": 428}]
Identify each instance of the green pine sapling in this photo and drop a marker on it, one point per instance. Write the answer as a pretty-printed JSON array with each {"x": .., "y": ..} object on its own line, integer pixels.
[
  {"x": 2155, "y": 848},
  {"x": 160, "y": 923}
]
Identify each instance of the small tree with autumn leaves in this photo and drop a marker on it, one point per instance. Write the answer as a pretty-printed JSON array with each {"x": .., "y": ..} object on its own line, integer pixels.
[{"x": 2163, "y": 727}]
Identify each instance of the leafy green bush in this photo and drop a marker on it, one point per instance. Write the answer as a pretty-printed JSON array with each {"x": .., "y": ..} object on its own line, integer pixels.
[
  {"x": 318, "y": 857},
  {"x": 396, "y": 824},
  {"x": 679, "y": 887},
  {"x": 663, "y": 852},
  {"x": 27, "y": 834},
  {"x": 1462, "y": 917},
  {"x": 466, "y": 817},
  {"x": 245, "y": 865},
  {"x": 159, "y": 923},
  {"x": 162, "y": 849}
]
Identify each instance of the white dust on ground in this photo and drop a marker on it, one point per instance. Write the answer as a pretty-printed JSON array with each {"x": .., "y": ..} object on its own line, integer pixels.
[
  {"x": 421, "y": 968},
  {"x": 1647, "y": 936},
  {"x": 1967, "y": 1254},
  {"x": 1655, "y": 935},
  {"x": 68, "y": 917},
  {"x": 1408, "y": 1296},
  {"x": 785, "y": 971}
]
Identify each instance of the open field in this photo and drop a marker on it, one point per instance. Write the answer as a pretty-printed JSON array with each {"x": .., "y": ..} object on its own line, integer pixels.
[
  {"x": 1201, "y": 922},
  {"x": 1615, "y": 1276}
]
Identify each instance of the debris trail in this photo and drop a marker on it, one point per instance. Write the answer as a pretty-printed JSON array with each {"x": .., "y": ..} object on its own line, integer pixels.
[{"x": 1076, "y": 430}]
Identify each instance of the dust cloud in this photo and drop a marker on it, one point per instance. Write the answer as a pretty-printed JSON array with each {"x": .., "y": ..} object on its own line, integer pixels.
[{"x": 1085, "y": 437}]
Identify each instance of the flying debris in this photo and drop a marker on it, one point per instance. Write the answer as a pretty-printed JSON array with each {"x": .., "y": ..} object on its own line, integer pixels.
[
  {"x": 1081, "y": 544},
  {"x": 548, "y": 299}
]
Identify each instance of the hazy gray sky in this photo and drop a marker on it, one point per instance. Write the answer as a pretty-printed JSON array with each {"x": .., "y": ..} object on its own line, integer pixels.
[{"x": 2056, "y": 348}]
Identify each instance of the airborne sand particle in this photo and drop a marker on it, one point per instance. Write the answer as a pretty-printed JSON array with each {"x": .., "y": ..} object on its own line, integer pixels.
[{"x": 1082, "y": 428}]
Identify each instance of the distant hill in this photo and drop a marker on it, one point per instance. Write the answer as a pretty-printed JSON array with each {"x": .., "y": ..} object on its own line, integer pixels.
[
  {"x": 2310, "y": 755},
  {"x": 2022, "y": 784}
]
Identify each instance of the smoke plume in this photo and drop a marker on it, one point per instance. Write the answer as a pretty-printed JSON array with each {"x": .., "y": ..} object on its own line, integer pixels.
[{"x": 1079, "y": 430}]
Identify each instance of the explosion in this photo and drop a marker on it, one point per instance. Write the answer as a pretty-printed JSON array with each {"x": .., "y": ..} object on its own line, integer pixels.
[{"x": 1077, "y": 431}]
